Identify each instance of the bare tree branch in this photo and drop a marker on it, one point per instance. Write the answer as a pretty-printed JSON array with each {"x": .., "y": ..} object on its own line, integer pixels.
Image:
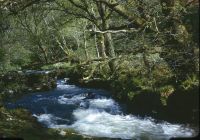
[{"x": 115, "y": 31}]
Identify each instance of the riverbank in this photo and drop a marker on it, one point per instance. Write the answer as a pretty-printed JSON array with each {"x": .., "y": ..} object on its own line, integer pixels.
[
  {"x": 162, "y": 99},
  {"x": 19, "y": 123},
  {"x": 14, "y": 84}
]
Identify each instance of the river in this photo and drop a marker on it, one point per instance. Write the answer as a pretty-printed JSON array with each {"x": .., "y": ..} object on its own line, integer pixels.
[{"x": 93, "y": 112}]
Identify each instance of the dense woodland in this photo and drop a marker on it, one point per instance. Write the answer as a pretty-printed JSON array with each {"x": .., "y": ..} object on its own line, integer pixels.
[
  {"x": 135, "y": 46},
  {"x": 148, "y": 43}
]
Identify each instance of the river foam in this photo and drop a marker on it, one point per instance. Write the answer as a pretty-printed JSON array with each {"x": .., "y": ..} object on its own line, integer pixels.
[
  {"x": 102, "y": 124},
  {"x": 96, "y": 121},
  {"x": 67, "y": 100}
]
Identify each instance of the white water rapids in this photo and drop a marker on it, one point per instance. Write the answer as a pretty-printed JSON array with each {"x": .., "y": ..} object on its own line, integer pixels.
[{"x": 101, "y": 116}]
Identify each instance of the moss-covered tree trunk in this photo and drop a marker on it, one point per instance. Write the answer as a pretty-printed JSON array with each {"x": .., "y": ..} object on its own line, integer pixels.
[
  {"x": 109, "y": 47},
  {"x": 110, "y": 50},
  {"x": 101, "y": 45},
  {"x": 85, "y": 42}
]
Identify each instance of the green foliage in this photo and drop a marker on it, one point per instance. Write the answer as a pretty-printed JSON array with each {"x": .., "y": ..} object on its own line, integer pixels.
[
  {"x": 2, "y": 54},
  {"x": 165, "y": 92},
  {"x": 191, "y": 82},
  {"x": 20, "y": 56},
  {"x": 133, "y": 94}
]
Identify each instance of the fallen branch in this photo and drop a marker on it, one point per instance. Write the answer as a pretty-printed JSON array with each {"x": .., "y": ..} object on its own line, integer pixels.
[{"x": 115, "y": 31}]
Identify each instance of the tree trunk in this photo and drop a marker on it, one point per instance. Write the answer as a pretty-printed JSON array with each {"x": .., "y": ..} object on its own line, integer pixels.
[
  {"x": 110, "y": 51},
  {"x": 85, "y": 42},
  {"x": 95, "y": 40},
  {"x": 103, "y": 12},
  {"x": 101, "y": 45},
  {"x": 85, "y": 45},
  {"x": 109, "y": 43}
]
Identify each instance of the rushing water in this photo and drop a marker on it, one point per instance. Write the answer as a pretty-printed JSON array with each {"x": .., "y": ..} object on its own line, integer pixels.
[{"x": 96, "y": 115}]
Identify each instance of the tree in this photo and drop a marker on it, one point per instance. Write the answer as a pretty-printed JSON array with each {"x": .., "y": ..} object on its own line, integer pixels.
[{"x": 97, "y": 14}]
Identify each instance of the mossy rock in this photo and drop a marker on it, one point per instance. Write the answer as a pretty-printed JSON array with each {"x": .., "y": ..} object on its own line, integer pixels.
[{"x": 18, "y": 123}]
